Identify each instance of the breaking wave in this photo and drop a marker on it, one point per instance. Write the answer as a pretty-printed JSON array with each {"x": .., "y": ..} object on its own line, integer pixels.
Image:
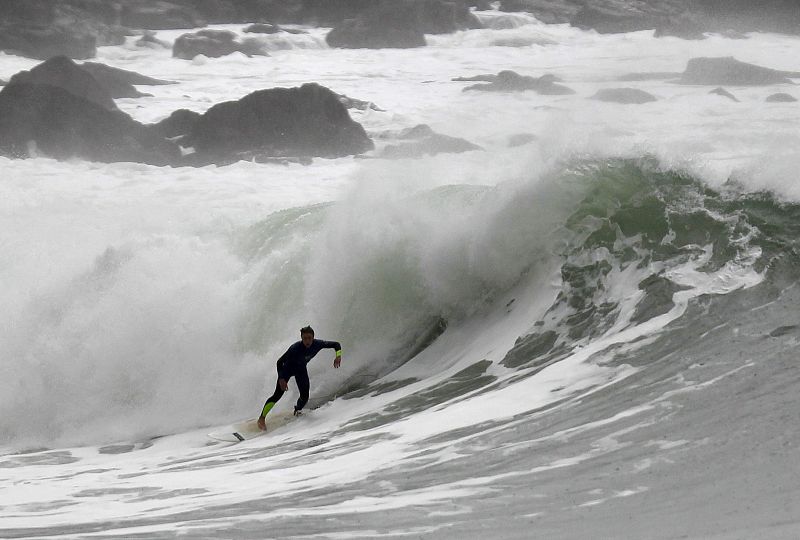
[{"x": 176, "y": 330}]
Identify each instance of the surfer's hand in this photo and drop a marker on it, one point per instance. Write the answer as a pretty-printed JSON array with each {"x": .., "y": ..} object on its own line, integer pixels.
[
  {"x": 337, "y": 362},
  {"x": 284, "y": 385},
  {"x": 262, "y": 425}
]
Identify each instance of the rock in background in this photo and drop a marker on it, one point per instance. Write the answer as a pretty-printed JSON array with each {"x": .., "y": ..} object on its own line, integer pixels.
[
  {"x": 304, "y": 121},
  {"x": 40, "y": 119},
  {"x": 215, "y": 43},
  {"x": 729, "y": 71},
  {"x": 401, "y": 24}
]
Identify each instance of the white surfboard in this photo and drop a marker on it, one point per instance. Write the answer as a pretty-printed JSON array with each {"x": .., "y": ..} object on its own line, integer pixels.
[{"x": 248, "y": 429}]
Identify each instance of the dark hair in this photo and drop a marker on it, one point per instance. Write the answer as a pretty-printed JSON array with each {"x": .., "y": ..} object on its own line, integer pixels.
[{"x": 306, "y": 330}]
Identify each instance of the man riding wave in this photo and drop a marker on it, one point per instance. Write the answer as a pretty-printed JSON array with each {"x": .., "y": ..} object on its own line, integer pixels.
[{"x": 293, "y": 363}]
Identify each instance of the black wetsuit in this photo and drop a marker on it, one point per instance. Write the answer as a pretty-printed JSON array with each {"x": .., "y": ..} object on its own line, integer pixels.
[{"x": 293, "y": 364}]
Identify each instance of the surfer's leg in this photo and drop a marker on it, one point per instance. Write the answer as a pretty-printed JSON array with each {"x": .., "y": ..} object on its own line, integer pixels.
[
  {"x": 303, "y": 385},
  {"x": 272, "y": 400}
]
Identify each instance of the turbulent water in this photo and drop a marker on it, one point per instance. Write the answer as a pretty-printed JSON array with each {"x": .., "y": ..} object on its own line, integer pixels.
[{"x": 591, "y": 335}]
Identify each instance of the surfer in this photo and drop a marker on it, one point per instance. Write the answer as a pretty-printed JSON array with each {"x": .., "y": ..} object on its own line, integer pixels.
[{"x": 293, "y": 364}]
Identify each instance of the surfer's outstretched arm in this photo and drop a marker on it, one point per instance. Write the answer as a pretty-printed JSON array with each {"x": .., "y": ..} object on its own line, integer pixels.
[{"x": 335, "y": 345}]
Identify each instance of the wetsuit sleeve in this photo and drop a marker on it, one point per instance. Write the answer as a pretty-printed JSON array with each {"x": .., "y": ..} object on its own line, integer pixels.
[
  {"x": 282, "y": 367},
  {"x": 335, "y": 345}
]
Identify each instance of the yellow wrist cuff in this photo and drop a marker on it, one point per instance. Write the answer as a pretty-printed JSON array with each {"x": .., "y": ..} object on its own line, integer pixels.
[{"x": 339, "y": 353}]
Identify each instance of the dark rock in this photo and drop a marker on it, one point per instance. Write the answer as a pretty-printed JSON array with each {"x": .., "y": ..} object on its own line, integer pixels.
[
  {"x": 506, "y": 21},
  {"x": 510, "y": 81},
  {"x": 426, "y": 143},
  {"x": 111, "y": 35},
  {"x": 724, "y": 93},
  {"x": 401, "y": 24},
  {"x": 119, "y": 82},
  {"x": 608, "y": 18},
  {"x": 624, "y": 95},
  {"x": 262, "y": 28},
  {"x": 215, "y": 43},
  {"x": 547, "y": 11},
  {"x": 352, "y": 103},
  {"x": 3, "y": 83},
  {"x": 748, "y": 16},
  {"x": 150, "y": 41},
  {"x": 42, "y": 118},
  {"x": 731, "y": 72},
  {"x": 42, "y": 42},
  {"x": 684, "y": 26},
  {"x": 177, "y": 124},
  {"x": 62, "y": 72},
  {"x": 521, "y": 139},
  {"x": 419, "y": 131},
  {"x": 160, "y": 15},
  {"x": 304, "y": 121},
  {"x": 781, "y": 98},
  {"x": 377, "y": 31}
]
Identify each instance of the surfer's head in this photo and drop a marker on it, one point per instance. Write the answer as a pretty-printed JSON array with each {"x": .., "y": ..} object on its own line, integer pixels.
[{"x": 307, "y": 335}]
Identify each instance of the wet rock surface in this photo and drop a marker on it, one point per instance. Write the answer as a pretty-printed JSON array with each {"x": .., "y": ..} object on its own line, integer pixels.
[
  {"x": 510, "y": 81},
  {"x": 732, "y": 72},
  {"x": 46, "y": 119},
  {"x": 401, "y": 24},
  {"x": 305, "y": 121},
  {"x": 214, "y": 44},
  {"x": 724, "y": 93},
  {"x": 423, "y": 141},
  {"x": 62, "y": 72},
  {"x": 781, "y": 97},
  {"x": 628, "y": 96}
]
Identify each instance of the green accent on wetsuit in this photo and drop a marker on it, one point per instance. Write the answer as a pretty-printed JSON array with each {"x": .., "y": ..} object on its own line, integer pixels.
[{"x": 267, "y": 407}]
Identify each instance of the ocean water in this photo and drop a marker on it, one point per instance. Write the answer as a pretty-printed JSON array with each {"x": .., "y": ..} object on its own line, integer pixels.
[{"x": 592, "y": 335}]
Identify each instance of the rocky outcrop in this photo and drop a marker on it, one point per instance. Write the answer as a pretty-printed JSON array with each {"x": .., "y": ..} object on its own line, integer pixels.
[
  {"x": 44, "y": 28},
  {"x": 178, "y": 124},
  {"x": 150, "y": 41},
  {"x": 781, "y": 98},
  {"x": 421, "y": 141},
  {"x": 95, "y": 82},
  {"x": 304, "y": 121},
  {"x": 401, "y": 24},
  {"x": 618, "y": 17},
  {"x": 510, "y": 81},
  {"x": 731, "y": 72},
  {"x": 63, "y": 73},
  {"x": 262, "y": 28},
  {"x": 377, "y": 30},
  {"x": 160, "y": 15},
  {"x": 627, "y": 96},
  {"x": 119, "y": 82},
  {"x": 358, "y": 104},
  {"x": 724, "y": 93},
  {"x": 547, "y": 11},
  {"x": 41, "y": 119},
  {"x": 42, "y": 42},
  {"x": 215, "y": 43}
]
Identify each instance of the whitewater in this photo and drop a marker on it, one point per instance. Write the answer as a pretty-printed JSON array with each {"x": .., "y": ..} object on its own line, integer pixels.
[{"x": 589, "y": 335}]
